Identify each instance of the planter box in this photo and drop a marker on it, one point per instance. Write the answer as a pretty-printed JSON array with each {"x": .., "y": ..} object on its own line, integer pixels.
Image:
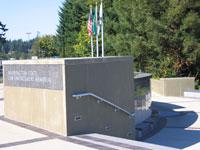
[{"x": 172, "y": 86}]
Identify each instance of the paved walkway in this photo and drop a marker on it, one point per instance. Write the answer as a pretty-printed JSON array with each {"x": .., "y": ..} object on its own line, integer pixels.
[
  {"x": 182, "y": 131},
  {"x": 19, "y": 136},
  {"x": 1, "y": 100},
  {"x": 183, "y": 122}
]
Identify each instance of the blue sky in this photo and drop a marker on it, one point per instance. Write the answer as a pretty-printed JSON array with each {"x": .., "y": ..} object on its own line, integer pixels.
[{"x": 22, "y": 16}]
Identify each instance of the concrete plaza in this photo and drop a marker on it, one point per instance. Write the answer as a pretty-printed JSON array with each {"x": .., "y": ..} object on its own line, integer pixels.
[
  {"x": 182, "y": 130},
  {"x": 18, "y": 136}
]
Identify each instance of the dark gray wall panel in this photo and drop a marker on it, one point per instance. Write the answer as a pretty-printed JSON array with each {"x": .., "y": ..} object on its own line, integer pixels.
[{"x": 43, "y": 76}]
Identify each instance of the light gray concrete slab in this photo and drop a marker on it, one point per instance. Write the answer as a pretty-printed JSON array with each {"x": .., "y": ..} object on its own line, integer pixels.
[
  {"x": 53, "y": 144},
  {"x": 1, "y": 100},
  {"x": 1, "y": 108},
  {"x": 133, "y": 143},
  {"x": 194, "y": 94},
  {"x": 11, "y": 133},
  {"x": 181, "y": 131},
  {"x": 183, "y": 124},
  {"x": 15, "y": 136},
  {"x": 99, "y": 143}
]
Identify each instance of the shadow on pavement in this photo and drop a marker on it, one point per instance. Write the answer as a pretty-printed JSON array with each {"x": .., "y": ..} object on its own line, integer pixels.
[
  {"x": 178, "y": 132},
  {"x": 182, "y": 121},
  {"x": 177, "y": 138},
  {"x": 160, "y": 106},
  {"x": 24, "y": 142}
]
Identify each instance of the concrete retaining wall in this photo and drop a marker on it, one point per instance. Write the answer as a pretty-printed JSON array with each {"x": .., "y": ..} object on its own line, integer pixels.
[
  {"x": 32, "y": 94},
  {"x": 110, "y": 79},
  {"x": 172, "y": 86},
  {"x": 39, "y": 93},
  {"x": 142, "y": 96}
]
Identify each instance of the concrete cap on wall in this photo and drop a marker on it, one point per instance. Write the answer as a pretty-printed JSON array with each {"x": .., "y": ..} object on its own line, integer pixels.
[{"x": 72, "y": 60}]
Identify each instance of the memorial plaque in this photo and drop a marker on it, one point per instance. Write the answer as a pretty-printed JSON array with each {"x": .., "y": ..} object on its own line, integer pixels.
[{"x": 43, "y": 76}]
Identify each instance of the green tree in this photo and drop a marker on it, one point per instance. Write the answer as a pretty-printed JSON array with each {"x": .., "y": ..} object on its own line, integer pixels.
[
  {"x": 45, "y": 46},
  {"x": 35, "y": 48},
  {"x": 82, "y": 48},
  {"x": 71, "y": 16},
  {"x": 163, "y": 36},
  {"x": 2, "y": 32}
]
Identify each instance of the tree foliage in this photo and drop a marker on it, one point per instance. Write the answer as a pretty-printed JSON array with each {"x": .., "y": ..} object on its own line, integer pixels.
[
  {"x": 44, "y": 46},
  {"x": 82, "y": 46},
  {"x": 2, "y": 32},
  {"x": 71, "y": 16},
  {"x": 163, "y": 36},
  {"x": 17, "y": 49}
]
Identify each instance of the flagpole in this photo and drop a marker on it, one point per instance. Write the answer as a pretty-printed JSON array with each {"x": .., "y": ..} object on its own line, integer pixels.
[
  {"x": 102, "y": 34},
  {"x": 91, "y": 37},
  {"x": 92, "y": 47},
  {"x": 97, "y": 39}
]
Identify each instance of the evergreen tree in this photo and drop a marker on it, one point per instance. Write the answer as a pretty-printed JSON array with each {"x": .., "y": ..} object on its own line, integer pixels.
[
  {"x": 2, "y": 32},
  {"x": 163, "y": 36},
  {"x": 35, "y": 48},
  {"x": 71, "y": 16}
]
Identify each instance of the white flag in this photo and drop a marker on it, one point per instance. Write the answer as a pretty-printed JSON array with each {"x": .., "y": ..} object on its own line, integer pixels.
[
  {"x": 101, "y": 14},
  {"x": 100, "y": 17}
]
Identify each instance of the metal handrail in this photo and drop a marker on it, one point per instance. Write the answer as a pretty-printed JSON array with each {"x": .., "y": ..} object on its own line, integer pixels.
[{"x": 77, "y": 96}]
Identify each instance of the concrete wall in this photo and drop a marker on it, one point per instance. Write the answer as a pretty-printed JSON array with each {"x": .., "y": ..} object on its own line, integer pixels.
[
  {"x": 109, "y": 78},
  {"x": 142, "y": 95},
  {"x": 157, "y": 86},
  {"x": 38, "y": 93},
  {"x": 38, "y": 107},
  {"x": 172, "y": 86},
  {"x": 32, "y": 95}
]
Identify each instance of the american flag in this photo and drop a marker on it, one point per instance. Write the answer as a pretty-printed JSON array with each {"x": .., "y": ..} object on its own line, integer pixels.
[{"x": 89, "y": 26}]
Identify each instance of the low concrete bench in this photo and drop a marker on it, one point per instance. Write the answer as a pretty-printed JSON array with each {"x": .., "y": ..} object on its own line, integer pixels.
[{"x": 193, "y": 93}]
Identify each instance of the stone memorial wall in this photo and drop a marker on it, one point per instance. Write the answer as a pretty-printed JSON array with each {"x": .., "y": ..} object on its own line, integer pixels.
[{"x": 34, "y": 76}]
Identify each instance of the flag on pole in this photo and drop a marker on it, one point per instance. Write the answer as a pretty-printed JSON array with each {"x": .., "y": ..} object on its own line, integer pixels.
[
  {"x": 94, "y": 25},
  {"x": 100, "y": 19},
  {"x": 89, "y": 25},
  {"x": 100, "y": 14}
]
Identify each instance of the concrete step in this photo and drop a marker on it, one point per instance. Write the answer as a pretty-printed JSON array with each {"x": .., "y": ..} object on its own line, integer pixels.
[
  {"x": 150, "y": 126},
  {"x": 19, "y": 136},
  {"x": 143, "y": 129},
  {"x": 110, "y": 142},
  {"x": 192, "y": 94}
]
